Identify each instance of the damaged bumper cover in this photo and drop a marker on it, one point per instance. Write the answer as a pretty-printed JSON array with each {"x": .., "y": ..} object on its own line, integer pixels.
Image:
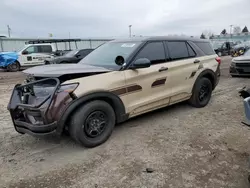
[{"x": 36, "y": 107}]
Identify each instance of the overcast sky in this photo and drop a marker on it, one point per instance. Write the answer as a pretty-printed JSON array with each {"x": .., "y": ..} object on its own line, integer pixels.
[{"x": 110, "y": 18}]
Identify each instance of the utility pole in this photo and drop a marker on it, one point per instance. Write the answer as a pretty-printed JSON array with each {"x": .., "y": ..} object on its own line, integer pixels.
[
  {"x": 8, "y": 27},
  {"x": 231, "y": 31},
  {"x": 130, "y": 30}
]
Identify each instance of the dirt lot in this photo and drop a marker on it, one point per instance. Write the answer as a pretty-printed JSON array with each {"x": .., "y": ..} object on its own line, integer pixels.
[{"x": 185, "y": 146}]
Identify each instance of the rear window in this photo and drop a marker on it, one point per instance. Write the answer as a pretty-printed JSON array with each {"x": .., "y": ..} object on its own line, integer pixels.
[{"x": 206, "y": 47}]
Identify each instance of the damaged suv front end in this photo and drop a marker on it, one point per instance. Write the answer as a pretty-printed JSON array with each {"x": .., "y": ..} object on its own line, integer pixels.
[{"x": 37, "y": 106}]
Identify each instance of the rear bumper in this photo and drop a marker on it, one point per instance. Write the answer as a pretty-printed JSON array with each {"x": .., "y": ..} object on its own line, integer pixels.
[
  {"x": 247, "y": 109},
  {"x": 217, "y": 75},
  {"x": 39, "y": 119}
]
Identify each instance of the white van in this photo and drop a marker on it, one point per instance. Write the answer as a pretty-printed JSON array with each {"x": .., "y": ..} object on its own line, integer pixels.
[{"x": 35, "y": 52}]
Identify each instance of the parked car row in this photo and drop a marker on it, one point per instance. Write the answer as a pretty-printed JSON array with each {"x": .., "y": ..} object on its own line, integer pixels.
[
  {"x": 39, "y": 52},
  {"x": 240, "y": 49},
  {"x": 73, "y": 56},
  {"x": 240, "y": 66}
]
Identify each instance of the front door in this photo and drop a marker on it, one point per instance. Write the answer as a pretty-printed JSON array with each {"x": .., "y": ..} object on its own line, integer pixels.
[{"x": 148, "y": 88}]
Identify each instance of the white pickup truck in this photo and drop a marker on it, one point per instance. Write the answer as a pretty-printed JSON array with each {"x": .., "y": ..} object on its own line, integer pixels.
[{"x": 36, "y": 51}]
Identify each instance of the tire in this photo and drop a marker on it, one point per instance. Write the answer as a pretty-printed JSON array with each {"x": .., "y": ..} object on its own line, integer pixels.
[
  {"x": 81, "y": 123},
  {"x": 14, "y": 67},
  {"x": 196, "y": 98}
]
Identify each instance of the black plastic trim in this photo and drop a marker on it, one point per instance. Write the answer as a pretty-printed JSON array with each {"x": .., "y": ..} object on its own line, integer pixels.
[
  {"x": 117, "y": 104},
  {"x": 211, "y": 73},
  {"x": 36, "y": 128}
]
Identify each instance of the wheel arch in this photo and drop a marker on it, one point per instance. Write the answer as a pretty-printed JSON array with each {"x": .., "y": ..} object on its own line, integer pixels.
[
  {"x": 16, "y": 61},
  {"x": 211, "y": 75},
  {"x": 112, "y": 99}
]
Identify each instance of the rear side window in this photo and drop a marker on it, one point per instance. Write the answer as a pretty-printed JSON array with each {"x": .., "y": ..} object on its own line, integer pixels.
[
  {"x": 45, "y": 49},
  {"x": 206, "y": 47},
  {"x": 154, "y": 51},
  {"x": 178, "y": 50},
  {"x": 191, "y": 51}
]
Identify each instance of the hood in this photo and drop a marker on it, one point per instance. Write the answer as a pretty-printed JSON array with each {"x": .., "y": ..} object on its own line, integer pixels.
[
  {"x": 58, "y": 70},
  {"x": 7, "y": 53},
  {"x": 241, "y": 58}
]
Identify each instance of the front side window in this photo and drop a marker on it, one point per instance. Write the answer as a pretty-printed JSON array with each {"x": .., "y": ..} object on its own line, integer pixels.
[
  {"x": 154, "y": 51},
  {"x": 105, "y": 55},
  {"x": 31, "y": 49},
  {"x": 178, "y": 50}
]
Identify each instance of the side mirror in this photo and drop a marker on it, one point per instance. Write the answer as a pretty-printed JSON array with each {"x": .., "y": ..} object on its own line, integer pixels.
[
  {"x": 141, "y": 63},
  {"x": 25, "y": 52},
  {"x": 77, "y": 55}
]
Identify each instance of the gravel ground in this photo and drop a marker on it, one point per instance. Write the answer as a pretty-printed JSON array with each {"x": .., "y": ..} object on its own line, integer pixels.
[{"x": 184, "y": 146}]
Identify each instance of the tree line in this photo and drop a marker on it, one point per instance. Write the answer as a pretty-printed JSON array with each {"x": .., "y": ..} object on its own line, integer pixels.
[{"x": 236, "y": 30}]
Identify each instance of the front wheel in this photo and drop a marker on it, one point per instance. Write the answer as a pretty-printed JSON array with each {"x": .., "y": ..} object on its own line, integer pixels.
[
  {"x": 13, "y": 67},
  {"x": 201, "y": 93},
  {"x": 93, "y": 123}
]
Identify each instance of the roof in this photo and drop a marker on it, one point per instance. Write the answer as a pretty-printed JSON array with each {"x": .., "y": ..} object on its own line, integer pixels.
[
  {"x": 51, "y": 41},
  {"x": 155, "y": 38}
]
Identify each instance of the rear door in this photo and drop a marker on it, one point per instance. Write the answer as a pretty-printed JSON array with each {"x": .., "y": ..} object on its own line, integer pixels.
[
  {"x": 148, "y": 88},
  {"x": 44, "y": 52},
  {"x": 184, "y": 64}
]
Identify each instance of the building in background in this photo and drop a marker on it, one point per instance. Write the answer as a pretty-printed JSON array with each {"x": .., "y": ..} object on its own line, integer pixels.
[{"x": 16, "y": 44}]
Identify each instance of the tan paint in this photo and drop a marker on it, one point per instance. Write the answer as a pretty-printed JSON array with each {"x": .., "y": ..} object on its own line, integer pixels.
[
  {"x": 139, "y": 101},
  {"x": 134, "y": 87}
]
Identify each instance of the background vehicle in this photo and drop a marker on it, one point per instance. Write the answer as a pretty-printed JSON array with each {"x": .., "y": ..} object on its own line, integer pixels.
[
  {"x": 73, "y": 56},
  {"x": 225, "y": 49},
  {"x": 241, "y": 65},
  {"x": 240, "y": 49},
  {"x": 119, "y": 80},
  {"x": 36, "y": 51}
]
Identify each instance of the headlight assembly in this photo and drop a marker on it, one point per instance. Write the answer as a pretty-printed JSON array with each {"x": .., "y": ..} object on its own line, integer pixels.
[{"x": 68, "y": 87}]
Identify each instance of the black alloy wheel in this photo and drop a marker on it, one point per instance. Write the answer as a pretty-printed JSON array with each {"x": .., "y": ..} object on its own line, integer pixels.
[{"x": 95, "y": 123}]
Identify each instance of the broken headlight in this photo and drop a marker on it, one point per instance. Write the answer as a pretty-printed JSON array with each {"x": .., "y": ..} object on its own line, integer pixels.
[{"x": 69, "y": 88}]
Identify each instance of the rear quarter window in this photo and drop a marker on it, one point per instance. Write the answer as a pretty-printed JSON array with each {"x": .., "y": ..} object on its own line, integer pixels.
[{"x": 206, "y": 47}]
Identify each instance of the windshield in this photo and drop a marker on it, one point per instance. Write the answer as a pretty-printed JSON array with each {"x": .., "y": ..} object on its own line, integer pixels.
[
  {"x": 247, "y": 53},
  {"x": 104, "y": 56},
  {"x": 71, "y": 53}
]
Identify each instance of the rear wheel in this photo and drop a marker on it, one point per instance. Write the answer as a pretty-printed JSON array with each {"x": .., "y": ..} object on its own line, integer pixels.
[
  {"x": 92, "y": 124},
  {"x": 14, "y": 67},
  {"x": 201, "y": 93}
]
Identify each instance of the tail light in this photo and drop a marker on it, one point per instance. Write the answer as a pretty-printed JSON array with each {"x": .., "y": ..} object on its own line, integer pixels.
[{"x": 218, "y": 59}]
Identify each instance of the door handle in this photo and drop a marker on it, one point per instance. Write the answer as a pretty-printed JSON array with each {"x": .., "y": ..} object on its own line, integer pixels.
[
  {"x": 163, "y": 69},
  {"x": 197, "y": 61}
]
